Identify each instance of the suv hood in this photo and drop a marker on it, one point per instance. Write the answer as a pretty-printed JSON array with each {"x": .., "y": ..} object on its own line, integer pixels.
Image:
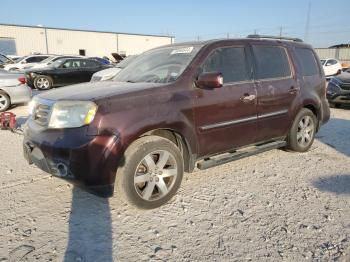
[
  {"x": 40, "y": 69},
  {"x": 95, "y": 90},
  {"x": 344, "y": 77}
]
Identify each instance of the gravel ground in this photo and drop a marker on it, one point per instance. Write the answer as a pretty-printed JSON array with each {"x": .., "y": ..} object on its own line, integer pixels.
[{"x": 273, "y": 206}]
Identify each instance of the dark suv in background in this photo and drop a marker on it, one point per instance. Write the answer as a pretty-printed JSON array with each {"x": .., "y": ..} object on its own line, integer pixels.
[
  {"x": 176, "y": 107},
  {"x": 338, "y": 90}
]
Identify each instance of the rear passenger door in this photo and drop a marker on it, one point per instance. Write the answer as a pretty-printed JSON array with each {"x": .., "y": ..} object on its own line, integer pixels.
[
  {"x": 89, "y": 67},
  {"x": 277, "y": 90},
  {"x": 224, "y": 118}
]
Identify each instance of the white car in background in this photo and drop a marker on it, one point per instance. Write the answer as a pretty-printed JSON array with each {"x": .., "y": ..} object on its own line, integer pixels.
[
  {"x": 46, "y": 62},
  {"x": 25, "y": 61},
  {"x": 108, "y": 74},
  {"x": 331, "y": 66}
]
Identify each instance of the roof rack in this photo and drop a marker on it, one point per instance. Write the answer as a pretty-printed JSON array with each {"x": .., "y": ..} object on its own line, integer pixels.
[{"x": 275, "y": 37}]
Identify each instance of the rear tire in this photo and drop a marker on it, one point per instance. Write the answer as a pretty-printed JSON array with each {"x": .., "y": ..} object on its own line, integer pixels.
[
  {"x": 151, "y": 174},
  {"x": 5, "y": 101},
  {"x": 302, "y": 133},
  {"x": 43, "y": 82}
]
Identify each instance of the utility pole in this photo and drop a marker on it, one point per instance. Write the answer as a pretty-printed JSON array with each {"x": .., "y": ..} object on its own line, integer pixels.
[
  {"x": 307, "y": 25},
  {"x": 281, "y": 28},
  {"x": 228, "y": 35},
  {"x": 255, "y": 31},
  {"x": 197, "y": 38}
]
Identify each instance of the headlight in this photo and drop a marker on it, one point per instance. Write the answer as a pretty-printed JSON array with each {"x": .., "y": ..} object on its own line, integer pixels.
[
  {"x": 107, "y": 77},
  {"x": 333, "y": 86},
  {"x": 336, "y": 82},
  {"x": 70, "y": 114},
  {"x": 32, "y": 75}
]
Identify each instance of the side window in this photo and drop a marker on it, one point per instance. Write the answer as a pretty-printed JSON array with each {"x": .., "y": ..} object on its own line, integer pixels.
[
  {"x": 89, "y": 64},
  {"x": 71, "y": 64},
  {"x": 271, "y": 62},
  {"x": 36, "y": 59},
  {"x": 307, "y": 61},
  {"x": 332, "y": 62},
  {"x": 230, "y": 61},
  {"x": 31, "y": 59}
]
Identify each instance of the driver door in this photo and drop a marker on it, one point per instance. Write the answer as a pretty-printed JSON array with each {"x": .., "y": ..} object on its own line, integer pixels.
[{"x": 226, "y": 117}]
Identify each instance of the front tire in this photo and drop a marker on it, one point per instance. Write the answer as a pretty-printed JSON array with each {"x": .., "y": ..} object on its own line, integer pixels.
[
  {"x": 302, "y": 133},
  {"x": 43, "y": 83},
  {"x": 151, "y": 174},
  {"x": 5, "y": 101}
]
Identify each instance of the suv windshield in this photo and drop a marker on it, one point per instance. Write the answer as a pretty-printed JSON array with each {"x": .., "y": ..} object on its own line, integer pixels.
[{"x": 162, "y": 65}]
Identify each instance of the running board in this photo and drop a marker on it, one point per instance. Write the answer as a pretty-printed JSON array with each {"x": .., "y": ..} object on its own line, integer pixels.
[{"x": 226, "y": 158}]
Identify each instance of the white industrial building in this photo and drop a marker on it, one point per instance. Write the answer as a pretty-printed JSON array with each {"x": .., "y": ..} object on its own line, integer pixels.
[{"x": 23, "y": 40}]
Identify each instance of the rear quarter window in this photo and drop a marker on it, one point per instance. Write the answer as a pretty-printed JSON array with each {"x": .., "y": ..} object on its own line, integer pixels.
[
  {"x": 307, "y": 61},
  {"x": 271, "y": 62}
]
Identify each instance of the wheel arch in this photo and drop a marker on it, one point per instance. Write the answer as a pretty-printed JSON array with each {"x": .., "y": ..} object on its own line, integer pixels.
[
  {"x": 315, "y": 111},
  {"x": 179, "y": 140}
]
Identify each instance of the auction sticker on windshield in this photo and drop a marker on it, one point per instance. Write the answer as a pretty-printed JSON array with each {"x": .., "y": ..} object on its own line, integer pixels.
[{"x": 184, "y": 50}]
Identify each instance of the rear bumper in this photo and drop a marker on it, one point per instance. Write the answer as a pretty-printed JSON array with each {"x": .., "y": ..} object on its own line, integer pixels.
[
  {"x": 20, "y": 94},
  {"x": 325, "y": 113},
  {"x": 88, "y": 161}
]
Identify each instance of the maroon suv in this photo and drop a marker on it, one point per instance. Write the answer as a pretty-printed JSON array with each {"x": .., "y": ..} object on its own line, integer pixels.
[{"x": 177, "y": 107}]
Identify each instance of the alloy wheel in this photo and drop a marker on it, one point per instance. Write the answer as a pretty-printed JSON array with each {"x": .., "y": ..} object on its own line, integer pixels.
[
  {"x": 306, "y": 130},
  {"x": 3, "y": 102},
  {"x": 43, "y": 83},
  {"x": 155, "y": 175}
]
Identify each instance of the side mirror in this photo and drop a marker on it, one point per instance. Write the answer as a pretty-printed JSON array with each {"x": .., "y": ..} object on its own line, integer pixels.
[{"x": 210, "y": 80}]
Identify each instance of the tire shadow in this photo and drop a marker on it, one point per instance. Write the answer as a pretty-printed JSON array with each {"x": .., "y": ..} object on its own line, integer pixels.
[
  {"x": 338, "y": 184},
  {"x": 90, "y": 228}
]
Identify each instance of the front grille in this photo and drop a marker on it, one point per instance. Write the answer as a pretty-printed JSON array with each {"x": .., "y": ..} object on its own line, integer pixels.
[
  {"x": 41, "y": 114},
  {"x": 345, "y": 86}
]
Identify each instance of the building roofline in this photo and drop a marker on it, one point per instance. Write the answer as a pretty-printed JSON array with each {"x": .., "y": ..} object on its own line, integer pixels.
[{"x": 85, "y": 30}]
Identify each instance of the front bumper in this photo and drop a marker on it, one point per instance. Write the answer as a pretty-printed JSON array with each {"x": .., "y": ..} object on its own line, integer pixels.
[
  {"x": 338, "y": 94},
  {"x": 339, "y": 98},
  {"x": 87, "y": 161}
]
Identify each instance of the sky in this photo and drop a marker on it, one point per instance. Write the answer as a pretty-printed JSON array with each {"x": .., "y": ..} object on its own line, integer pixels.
[{"x": 191, "y": 20}]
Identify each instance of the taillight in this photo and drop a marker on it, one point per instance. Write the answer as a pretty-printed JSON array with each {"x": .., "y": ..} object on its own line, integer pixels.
[{"x": 22, "y": 80}]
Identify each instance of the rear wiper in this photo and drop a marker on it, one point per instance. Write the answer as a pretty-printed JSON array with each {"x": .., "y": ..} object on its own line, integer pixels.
[{"x": 130, "y": 81}]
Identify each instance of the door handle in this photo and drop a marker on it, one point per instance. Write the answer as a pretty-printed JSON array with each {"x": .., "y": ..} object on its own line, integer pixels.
[
  {"x": 247, "y": 98},
  {"x": 293, "y": 89}
]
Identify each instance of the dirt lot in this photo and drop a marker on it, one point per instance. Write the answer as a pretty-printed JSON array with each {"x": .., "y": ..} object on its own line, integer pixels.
[{"x": 274, "y": 206}]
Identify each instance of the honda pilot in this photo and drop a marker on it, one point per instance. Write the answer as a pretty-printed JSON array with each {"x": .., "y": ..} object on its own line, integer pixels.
[{"x": 175, "y": 108}]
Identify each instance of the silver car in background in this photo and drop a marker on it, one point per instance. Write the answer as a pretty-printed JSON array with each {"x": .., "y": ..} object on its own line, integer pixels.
[
  {"x": 108, "y": 74},
  {"x": 13, "y": 90}
]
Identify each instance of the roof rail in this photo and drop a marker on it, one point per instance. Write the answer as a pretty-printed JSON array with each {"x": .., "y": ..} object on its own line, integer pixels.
[{"x": 276, "y": 37}]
